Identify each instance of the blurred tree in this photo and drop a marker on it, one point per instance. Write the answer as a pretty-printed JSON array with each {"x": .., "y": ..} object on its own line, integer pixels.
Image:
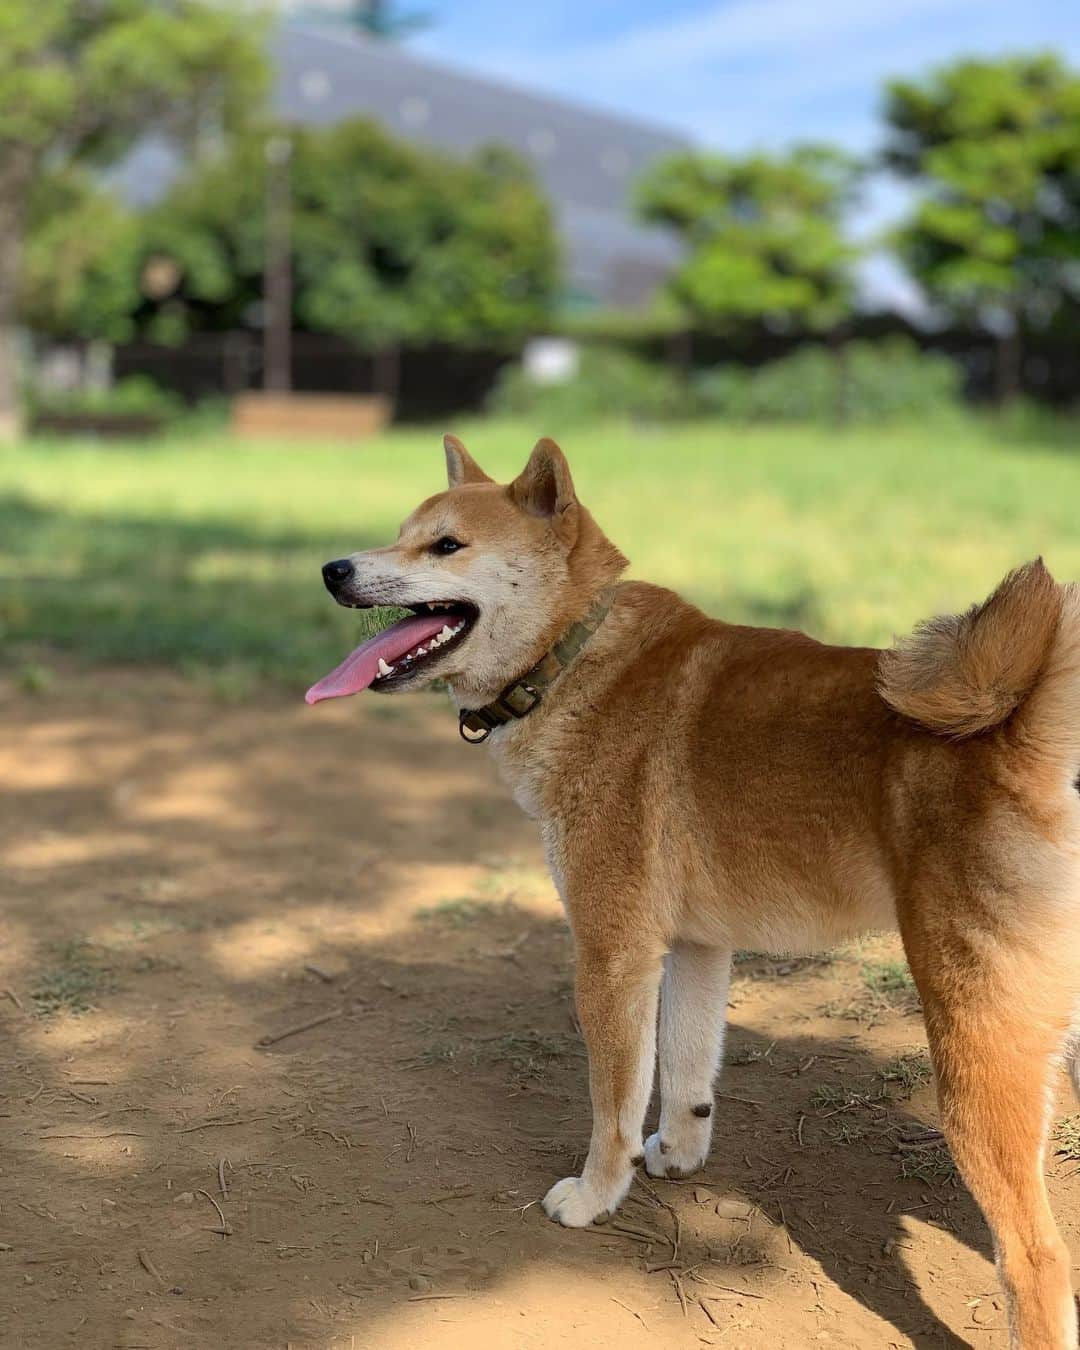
[
  {"x": 995, "y": 147},
  {"x": 390, "y": 243},
  {"x": 80, "y": 81},
  {"x": 376, "y": 18},
  {"x": 381, "y": 19},
  {"x": 764, "y": 235},
  {"x": 80, "y": 268}
]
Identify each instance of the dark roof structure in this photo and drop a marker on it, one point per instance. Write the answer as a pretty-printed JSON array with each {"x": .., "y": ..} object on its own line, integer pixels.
[{"x": 586, "y": 160}]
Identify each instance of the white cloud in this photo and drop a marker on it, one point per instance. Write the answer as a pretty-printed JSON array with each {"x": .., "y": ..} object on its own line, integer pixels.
[
  {"x": 742, "y": 72},
  {"x": 749, "y": 28}
]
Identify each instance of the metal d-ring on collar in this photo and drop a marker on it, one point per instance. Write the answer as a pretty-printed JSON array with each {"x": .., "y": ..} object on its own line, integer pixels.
[{"x": 521, "y": 696}]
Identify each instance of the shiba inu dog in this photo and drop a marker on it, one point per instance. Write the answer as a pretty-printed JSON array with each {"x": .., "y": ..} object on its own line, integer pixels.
[{"x": 702, "y": 787}]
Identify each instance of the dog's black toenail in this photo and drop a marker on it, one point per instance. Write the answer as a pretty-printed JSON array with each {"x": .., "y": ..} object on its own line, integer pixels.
[
  {"x": 664, "y": 1148},
  {"x": 705, "y": 1109},
  {"x": 637, "y": 1160}
]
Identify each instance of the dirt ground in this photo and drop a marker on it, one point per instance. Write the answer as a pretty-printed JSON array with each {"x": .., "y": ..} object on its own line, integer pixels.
[{"x": 188, "y": 882}]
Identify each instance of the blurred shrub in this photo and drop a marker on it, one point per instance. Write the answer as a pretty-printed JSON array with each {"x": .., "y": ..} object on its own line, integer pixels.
[
  {"x": 136, "y": 396},
  {"x": 865, "y": 382},
  {"x": 862, "y": 382},
  {"x": 610, "y": 382}
]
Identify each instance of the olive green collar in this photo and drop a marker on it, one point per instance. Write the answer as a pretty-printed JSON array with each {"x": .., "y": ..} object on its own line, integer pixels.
[{"x": 521, "y": 696}]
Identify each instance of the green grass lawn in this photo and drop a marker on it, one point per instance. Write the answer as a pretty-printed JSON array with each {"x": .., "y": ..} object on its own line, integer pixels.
[{"x": 204, "y": 555}]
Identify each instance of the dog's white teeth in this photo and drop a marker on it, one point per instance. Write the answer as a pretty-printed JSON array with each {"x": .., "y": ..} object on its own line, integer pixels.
[
  {"x": 445, "y": 635},
  {"x": 421, "y": 651},
  {"x": 384, "y": 669}
]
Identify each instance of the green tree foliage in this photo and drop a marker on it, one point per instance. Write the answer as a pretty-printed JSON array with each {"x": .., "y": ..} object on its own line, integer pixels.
[
  {"x": 764, "y": 235},
  {"x": 389, "y": 243},
  {"x": 80, "y": 81},
  {"x": 376, "y": 18},
  {"x": 80, "y": 269},
  {"x": 994, "y": 147}
]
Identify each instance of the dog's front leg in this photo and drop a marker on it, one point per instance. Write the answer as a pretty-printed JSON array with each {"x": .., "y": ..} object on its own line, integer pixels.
[
  {"x": 693, "y": 1013},
  {"x": 616, "y": 1002}
]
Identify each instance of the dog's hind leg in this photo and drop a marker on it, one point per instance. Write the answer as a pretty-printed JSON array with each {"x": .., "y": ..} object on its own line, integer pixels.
[
  {"x": 996, "y": 1028},
  {"x": 693, "y": 1013},
  {"x": 616, "y": 1002}
]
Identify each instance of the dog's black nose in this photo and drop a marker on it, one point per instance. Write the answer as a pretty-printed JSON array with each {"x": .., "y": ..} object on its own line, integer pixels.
[{"x": 336, "y": 573}]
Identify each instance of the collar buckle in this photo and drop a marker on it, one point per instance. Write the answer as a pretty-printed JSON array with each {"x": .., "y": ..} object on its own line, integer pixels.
[
  {"x": 475, "y": 725},
  {"x": 510, "y": 701},
  {"x": 520, "y": 697},
  {"x": 472, "y": 726}
]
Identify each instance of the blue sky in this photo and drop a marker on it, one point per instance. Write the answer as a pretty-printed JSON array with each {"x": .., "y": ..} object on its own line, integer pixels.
[
  {"x": 736, "y": 73},
  {"x": 740, "y": 74}
]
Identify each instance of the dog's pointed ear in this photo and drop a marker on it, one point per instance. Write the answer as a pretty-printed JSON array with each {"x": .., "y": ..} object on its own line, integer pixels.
[
  {"x": 544, "y": 488},
  {"x": 460, "y": 465}
]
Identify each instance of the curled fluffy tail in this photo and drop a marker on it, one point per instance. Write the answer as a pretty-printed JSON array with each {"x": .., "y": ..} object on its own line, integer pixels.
[{"x": 963, "y": 674}]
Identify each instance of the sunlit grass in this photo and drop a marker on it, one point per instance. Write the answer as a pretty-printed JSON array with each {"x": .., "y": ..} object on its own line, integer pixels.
[{"x": 205, "y": 555}]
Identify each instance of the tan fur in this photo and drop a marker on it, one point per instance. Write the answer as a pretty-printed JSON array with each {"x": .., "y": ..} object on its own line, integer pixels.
[
  {"x": 965, "y": 673},
  {"x": 701, "y": 787}
]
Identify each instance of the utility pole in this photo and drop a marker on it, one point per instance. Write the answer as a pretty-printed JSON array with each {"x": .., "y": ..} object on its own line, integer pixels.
[{"x": 277, "y": 268}]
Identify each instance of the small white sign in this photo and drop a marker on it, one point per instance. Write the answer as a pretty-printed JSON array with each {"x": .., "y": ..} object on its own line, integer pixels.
[{"x": 551, "y": 360}]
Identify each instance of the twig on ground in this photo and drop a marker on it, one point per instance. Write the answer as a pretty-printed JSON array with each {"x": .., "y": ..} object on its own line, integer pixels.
[
  {"x": 729, "y": 1289},
  {"x": 222, "y": 1164},
  {"x": 631, "y": 1312},
  {"x": 214, "y": 1124},
  {"x": 677, "y": 1282},
  {"x": 264, "y": 1041},
  {"x": 708, "y": 1313},
  {"x": 677, "y": 1239},
  {"x": 112, "y": 1134},
  {"x": 226, "y": 1230},
  {"x": 637, "y": 1234},
  {"x": 148, "y": 1265}
]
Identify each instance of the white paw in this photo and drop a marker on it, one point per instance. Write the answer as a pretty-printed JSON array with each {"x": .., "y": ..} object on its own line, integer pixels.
[
  {"x": 573, "y": 1203},
  {"x": 674, "y": 1158}
]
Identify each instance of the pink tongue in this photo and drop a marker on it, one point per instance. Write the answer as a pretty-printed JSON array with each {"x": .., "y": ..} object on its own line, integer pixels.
[{"x": 359, "y": 669}]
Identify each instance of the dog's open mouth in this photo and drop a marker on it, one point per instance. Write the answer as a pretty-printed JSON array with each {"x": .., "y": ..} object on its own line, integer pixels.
[{"x": 395, "y": 656}]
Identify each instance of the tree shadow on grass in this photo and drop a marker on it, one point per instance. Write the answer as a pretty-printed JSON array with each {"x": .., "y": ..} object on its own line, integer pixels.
[
  {"x": 158, "y": 589},
  {"x": 207, "y": 594}
]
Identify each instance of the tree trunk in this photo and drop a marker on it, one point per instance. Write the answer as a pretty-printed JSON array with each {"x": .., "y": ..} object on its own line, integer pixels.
[
  {"x": 1008, "y": 365},
  {"x": 387, "y": 372},
  {"x": 278, "y": 278},
  {"x": 680, "y": 351},
  {"x": 14, "y": 184},
  {"x": 841, "y": 375}
]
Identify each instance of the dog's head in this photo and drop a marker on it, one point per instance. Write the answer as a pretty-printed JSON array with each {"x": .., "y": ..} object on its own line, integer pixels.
[{"x": 493, "y": 575}]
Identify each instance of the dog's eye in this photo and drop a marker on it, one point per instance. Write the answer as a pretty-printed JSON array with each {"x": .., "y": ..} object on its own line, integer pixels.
[{"x": 446, "y": 545}]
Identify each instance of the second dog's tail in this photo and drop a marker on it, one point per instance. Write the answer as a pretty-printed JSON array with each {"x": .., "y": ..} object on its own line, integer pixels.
[{"x": 1017, "y": 655}]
